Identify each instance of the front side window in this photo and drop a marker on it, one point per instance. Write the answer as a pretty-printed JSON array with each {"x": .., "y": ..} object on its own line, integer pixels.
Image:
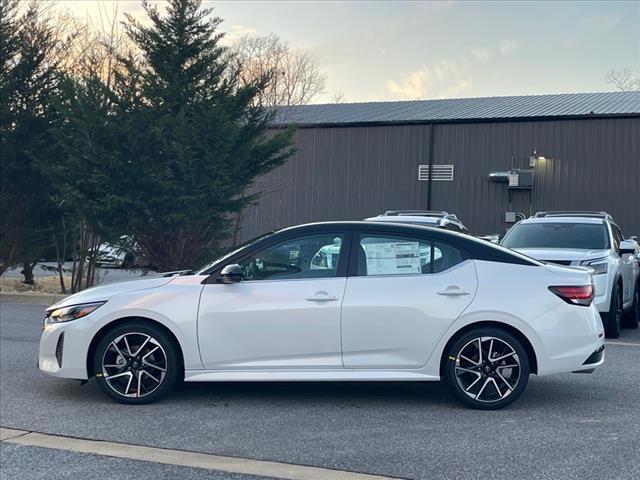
[
  {"x": 312, "y": 256},
  {"x": 386, "y": 255},
  {"x": 590, "y": 236}
]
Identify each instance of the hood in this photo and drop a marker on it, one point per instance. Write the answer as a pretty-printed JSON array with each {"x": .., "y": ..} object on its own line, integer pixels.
[
  {"x": 105, "y": 292},
  {"x": 560, "y": 254}
]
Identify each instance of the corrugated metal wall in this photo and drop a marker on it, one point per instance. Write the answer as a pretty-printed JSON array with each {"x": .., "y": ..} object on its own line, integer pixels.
[{"x": 349, "y": 173}]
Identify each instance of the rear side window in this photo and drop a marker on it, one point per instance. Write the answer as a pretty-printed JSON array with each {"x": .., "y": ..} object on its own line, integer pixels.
[
  {"x": 389, "y": 255},
  {"x": 591, "y": 236}
]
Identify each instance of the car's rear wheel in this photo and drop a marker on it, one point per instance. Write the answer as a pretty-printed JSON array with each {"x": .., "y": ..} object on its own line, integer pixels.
[
  {"x": 632, "y": 319},
  {"x": 613, "y": 318},
  {"x": 136, "y": 363},
  {"x": 486, "y": 368}
]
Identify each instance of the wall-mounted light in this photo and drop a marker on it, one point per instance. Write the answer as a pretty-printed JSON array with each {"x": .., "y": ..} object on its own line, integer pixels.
[{"x": 533, "y": 159}]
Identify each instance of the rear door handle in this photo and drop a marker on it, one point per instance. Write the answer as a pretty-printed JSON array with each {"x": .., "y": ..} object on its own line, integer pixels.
[
  {"x": 452, "y": 291},
  {"x": 322, "y": 297}
]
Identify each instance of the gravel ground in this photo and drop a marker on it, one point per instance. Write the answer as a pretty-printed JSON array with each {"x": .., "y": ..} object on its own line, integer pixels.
[{"x": 565, "y": 426}]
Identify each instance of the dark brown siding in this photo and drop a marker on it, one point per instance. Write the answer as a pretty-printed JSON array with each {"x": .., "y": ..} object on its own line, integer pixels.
[{"x": 347, "y": 173}]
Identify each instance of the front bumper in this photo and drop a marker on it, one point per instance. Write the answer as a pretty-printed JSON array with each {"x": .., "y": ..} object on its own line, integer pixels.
[
  {"x": 602, "y": 300},
  {"x": 62, "y": 352}
]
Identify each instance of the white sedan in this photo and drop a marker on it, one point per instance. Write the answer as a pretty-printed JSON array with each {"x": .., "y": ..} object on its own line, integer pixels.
[{"x": 335, "y": 301}]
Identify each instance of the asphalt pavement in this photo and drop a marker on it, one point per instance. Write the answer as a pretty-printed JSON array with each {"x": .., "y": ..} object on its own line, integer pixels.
[
  {"x": 32, "y": 463},
  {"x": 570, "y": 426}
]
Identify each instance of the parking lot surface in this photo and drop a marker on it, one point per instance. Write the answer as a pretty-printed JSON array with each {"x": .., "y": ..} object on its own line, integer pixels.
[{"x": 571, "y": 426}]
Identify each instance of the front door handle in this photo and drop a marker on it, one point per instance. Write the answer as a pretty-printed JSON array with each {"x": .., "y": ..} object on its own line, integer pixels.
[
  {"x": 321, "y": 297},
  {"x": 452, "y": 291}
]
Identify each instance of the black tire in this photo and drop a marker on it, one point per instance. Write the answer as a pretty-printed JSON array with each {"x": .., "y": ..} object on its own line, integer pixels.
[
  {"x": 613, "y": 318},
  {"x": 128, "y": 261},
  {"x": 145, "y": 366},
  {"x": 632, "y": 318},
  {"x": 482, "y": 385}
]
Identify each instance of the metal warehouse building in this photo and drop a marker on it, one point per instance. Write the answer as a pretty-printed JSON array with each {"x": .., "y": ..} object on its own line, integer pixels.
[{"x": 547, "y": 152}]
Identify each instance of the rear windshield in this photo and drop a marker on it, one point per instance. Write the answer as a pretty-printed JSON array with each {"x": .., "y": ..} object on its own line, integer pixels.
[{"x": 589, "y": 236}]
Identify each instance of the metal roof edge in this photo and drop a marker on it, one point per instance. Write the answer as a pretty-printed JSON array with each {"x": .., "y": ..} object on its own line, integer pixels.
[{"x": 589, "y": 116}]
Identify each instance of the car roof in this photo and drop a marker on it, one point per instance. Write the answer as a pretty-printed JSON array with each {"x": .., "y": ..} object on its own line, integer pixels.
[
  {"x": 480, "y": 248},
  {"x": 461, "y": 240},
  {"x": 567, "y": 219}
]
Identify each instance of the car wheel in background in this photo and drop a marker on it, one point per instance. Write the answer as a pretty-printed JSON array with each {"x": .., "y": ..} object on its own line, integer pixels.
[
  {"x": 613, "y": 318},
  {"x": 128, "y": 261},
  {"x": 486, "y": 368},
  {"x": 136, "y": 363},
  {"x": 632, "y": 318}
]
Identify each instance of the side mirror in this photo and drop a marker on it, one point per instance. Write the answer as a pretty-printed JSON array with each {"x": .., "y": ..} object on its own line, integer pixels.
[
  {"x": 627, "y": 246},
  {"x": 231, "y": 274}
]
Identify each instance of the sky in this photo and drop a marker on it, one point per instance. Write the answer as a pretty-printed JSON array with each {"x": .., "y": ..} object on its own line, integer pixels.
[{"x": 407, "y": 50}]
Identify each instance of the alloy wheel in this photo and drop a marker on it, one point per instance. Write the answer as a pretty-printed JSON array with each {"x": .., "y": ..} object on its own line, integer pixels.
[
  {"x": 487, "y": 369},
  {"x": 134, "y": 365}
]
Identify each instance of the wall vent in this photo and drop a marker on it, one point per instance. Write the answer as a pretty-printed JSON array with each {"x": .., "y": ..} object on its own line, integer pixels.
[{"x": 441, "y": 173}]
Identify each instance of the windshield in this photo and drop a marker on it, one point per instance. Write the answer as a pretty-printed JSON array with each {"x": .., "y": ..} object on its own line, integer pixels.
[
  {"x": 204, "y": 270},
  {"x": 587, "y": 236}
]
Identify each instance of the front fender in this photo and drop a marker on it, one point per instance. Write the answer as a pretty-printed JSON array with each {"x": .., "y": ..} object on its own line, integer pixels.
[{"x": 175, "y": 306}]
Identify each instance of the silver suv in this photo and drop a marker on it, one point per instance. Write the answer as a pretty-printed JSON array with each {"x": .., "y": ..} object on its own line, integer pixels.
[
  {"x": 427, "y": 218},
  {"x": 587, "y": 239}
]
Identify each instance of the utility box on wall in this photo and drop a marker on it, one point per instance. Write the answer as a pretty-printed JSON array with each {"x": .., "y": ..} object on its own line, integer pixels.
[{"x": 521, "y": 179}]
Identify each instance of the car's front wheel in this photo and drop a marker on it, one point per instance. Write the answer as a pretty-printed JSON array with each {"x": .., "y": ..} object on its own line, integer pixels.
[
  {"x": 136, "y": 363},
  {"x": 486, "y": 368},
  {"x": 613, "y": 318}
]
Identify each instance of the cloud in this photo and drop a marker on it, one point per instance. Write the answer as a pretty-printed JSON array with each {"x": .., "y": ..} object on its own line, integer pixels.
[
  {"x": 481, "y": 54},
  {"x": 507, "y": 46},
  {"x": 442, "y": 79},
  {"x": 234, "y": 32},
  {"x": 600, "y": 23}
]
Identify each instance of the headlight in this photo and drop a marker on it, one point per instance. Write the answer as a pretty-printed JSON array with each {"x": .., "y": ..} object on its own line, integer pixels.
[
  {"x": 599, "y": 265},
  {"x": 66, "y": 314}
]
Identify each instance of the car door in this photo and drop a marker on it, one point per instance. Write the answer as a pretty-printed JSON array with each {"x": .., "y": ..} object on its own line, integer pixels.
[
  {"x": 284, "y": 313},
  {"x": 403, "y": 295},
  {"x": 627, "y": 267}
]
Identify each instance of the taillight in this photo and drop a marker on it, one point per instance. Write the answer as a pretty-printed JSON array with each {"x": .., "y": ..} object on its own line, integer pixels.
[{"x": 575, "y": 295}]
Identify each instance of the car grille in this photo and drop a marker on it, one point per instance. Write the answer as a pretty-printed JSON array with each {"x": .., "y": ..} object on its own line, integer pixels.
[
  {"x": 559, "y": 262},
  {"x": 59, "y": 348}
]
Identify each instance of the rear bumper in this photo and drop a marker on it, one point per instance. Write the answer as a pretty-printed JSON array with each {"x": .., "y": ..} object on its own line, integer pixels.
[
  {"x": 570, "y": 335},
  {"x": 594, "y": 361}
]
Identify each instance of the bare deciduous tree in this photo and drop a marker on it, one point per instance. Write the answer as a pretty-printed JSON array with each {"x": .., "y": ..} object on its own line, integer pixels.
[
  {"x": 624, "y": 80},
  {"x": 338, "y": 97},
  {"x": 293, "y": 76},
  {"x": 98, "y": 44}
]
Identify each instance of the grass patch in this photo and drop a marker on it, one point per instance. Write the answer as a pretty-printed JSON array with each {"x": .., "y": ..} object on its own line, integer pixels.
[{"x": 41, "y": 285}]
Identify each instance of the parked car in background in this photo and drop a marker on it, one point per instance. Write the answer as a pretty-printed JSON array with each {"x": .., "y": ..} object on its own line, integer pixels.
[
  {"x": 123, "y": 253},
  {"x": 426, "y": 218},
  {"x": 110, "y": 255},
  {"x": 335, "y": 301},
  {"x": 493, "y": 238},
  {"x": 587, "y": 239}
]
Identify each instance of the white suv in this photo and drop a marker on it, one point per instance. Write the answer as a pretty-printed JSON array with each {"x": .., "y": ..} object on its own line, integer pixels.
[{"x": 587, "y": 239}]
